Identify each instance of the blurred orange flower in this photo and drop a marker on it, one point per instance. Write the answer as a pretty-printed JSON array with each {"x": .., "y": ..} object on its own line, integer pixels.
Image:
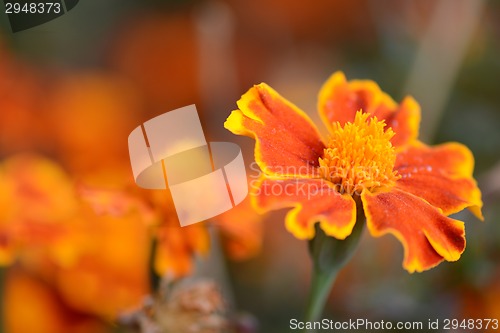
[
  {"x": 31, "y": 305},
  {"x": 67, "y": 236},
  {"x": 240, "y": 231},
  {"x": 113, "y": 241},
  {"x": 90, "y": 227},
  {"x": 91, "y": 116},
  {"x": 37, "y": 200},
  {"x": 372, "y": 158},
  {"x": 167, "y": 75},
  {"x": 98, "y": 240},
  {"x": 176, "y": 245}
]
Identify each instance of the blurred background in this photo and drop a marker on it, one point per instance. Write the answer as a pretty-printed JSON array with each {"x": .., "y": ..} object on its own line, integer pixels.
[{"x": 81, "y": 247}]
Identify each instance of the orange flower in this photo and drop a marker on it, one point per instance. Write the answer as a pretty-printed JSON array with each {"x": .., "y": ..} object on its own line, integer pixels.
[
  {"x": 240, "y": 232},
  {"x": 37, "y": 200},
  {"x": 64, "y": 236},
  {"x": 30, "y": 305},
  {"x": 110, "y": 235},
  {"x": 176, "y": 245},
  {"x": 372, "y": 160}
]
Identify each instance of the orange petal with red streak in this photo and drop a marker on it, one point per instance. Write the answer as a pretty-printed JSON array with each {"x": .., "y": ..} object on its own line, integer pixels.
[
  {"x": 405, "y": 122},
  {"x": 287, "y": 142},
  {"x": 314, "y": 200},
  {"x": 428, "y": 237},
  {"x": 442, "y": 175},
  {"x": 339, "y": 100}
]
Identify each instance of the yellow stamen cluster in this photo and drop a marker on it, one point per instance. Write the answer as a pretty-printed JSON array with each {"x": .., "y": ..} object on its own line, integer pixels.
[{"x": 359, "y": 156}]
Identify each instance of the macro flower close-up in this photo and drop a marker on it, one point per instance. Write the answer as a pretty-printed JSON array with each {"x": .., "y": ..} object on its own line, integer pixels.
[
  {"x": 371, "y": 162},
  {"x": 265, "y": 166}
]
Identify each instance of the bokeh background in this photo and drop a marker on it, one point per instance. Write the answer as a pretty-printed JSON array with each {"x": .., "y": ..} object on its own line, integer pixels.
[{"x": 78, "y": 240}]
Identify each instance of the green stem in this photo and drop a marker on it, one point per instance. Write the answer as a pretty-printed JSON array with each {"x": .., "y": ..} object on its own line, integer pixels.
[
  {"x": 329, "y": 256},
  {"x": 321, "y": 284}
]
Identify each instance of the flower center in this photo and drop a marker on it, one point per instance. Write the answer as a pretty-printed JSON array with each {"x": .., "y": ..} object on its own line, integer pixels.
[{"x": 359, "y": 156}]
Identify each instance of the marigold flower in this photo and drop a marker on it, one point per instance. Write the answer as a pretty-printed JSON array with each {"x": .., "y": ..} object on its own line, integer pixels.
[
  {"x": 372, "y": 160},
  {"x": 110, "y": 235},
  {"x": 240, "y": 232},
  {"x": 34, "y": 182},
  {"x": 31, "y": 305},
  {"x": 67, "y": 237}
]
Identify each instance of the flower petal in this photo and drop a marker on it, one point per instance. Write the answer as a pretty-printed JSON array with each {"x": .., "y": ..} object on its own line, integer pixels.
[
  {"x": 314, "y": 200},
  {"x": 427, "y": 236},
  {"x": 405, "y": 122},
  {"x": 339, "y": 100},
  {"x": 42, "y": 185},
  {"x": 442, "y": 175},
  {"x": 287, "y": 142},
  {"x": 177, "y": 246},
  {"x": 106, "y": 267}
]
